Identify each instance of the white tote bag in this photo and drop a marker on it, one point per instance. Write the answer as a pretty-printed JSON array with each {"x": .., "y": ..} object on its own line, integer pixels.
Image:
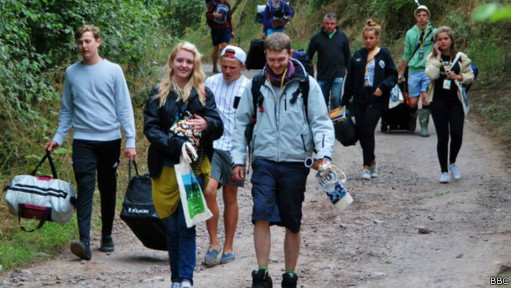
[{"x": 191, "y": 195}]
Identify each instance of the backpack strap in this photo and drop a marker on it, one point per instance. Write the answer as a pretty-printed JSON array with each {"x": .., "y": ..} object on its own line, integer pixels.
[
  {"x": 257, "y": 97},
  {"x": 304, "y": 90}
]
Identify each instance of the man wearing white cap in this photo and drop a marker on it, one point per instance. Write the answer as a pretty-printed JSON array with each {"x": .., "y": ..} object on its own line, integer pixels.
[
  {"x": 419, "y": 44},
  {"x": 228, "y": 87}
]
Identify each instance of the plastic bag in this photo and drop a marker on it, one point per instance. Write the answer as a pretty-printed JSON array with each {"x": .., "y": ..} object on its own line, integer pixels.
[{"x": 329, "y": 179}]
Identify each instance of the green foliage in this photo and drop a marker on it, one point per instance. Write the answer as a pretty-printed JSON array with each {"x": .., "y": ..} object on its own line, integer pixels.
[
  {"x": 492, "y": 12},
  {"x": 183, "y": 15},
  {"x": 36, "y": 43},
  {"x": 20, "y": 247}
]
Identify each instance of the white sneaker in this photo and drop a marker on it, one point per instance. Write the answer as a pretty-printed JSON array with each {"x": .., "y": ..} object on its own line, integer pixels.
[
  {"x": 186, "y": 284},
  {"x": 374, "y": 170},
  {"x": 445, "y": 178},
  {"x": 176, "y": 285},
  {"x": 455, "y": 172},
  {"x": 366, "y": 174}
]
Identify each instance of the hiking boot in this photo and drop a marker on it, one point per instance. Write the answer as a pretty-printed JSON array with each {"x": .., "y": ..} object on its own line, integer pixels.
[
  {"x": 366, "y": 175},
  {"x": 454, "y": 171},
  {"x": 374, "y": 170},
  {"x": 261, "y": 279},
  {"x": 289, "y": 280},
  {"x": 445, "y": 178},
  {"x": 81, "y": 250},
  {"x": 210, "y": 258},
  {"x": 107, "y": 244}
]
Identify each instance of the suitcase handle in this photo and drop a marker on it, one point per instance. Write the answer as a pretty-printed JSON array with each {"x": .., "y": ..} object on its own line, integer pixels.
[{"x": 52, "y": 166}]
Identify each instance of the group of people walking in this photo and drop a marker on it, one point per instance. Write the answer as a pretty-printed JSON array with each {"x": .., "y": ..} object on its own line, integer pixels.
[{"x": 284, "y": 107}]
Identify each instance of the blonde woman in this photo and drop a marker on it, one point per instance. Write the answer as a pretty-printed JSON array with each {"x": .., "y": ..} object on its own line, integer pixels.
[
  {"x": 448, "y": 71},
  {"x": 180, "y": 93}
]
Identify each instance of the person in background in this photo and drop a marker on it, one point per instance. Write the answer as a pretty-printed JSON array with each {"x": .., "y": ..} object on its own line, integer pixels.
[
  {"x": 276, "y": 15},
  {"x": 370, "y": 79},
  {"x": 332, "y": 46},
  {"x": 279, "y": 174},
  {"x": 218, "y": 17},
  {"x": 418, "y": 44},
  {"x": 95, "y": 103},
  {"x": 180, "y": 93},
  {"x": 448, "y": 71},
  {"x": 228, "y": 88}
]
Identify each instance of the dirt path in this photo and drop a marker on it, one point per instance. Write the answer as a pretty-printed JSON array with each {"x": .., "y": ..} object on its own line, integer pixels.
[{"x": 374, "y": 243}]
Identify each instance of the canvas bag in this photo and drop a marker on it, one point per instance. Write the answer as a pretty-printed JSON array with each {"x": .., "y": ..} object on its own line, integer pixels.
[
  {"x": 44, "y": 198},
  {"x": 191, "y": 195}
]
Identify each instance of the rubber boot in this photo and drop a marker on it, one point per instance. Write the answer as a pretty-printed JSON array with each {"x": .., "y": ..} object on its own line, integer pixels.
[
  {"x": 423, "y": 116},
  {"x": 412, "y": 122}
]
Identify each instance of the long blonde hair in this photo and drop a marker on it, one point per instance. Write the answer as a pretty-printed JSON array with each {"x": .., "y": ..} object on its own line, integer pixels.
[{"x": 196, "y": 79}]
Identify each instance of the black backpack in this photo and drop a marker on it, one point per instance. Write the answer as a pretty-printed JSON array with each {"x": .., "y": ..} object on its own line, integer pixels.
[{"x": 303, "y": 57}]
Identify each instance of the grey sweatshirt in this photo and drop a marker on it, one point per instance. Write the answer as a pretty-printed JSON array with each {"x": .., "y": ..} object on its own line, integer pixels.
[{"x": 96, "y": 102}]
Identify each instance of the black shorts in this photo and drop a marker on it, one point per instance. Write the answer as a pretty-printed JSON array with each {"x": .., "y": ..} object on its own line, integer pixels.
[{"x": 278, "y": 192}]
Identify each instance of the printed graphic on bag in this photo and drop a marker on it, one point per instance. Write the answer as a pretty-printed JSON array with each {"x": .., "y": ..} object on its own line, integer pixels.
[{"x": 194, "y": 195}]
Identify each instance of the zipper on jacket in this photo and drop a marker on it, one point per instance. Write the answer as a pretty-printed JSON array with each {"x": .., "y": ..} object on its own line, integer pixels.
[{"x": 303, "y": 144}]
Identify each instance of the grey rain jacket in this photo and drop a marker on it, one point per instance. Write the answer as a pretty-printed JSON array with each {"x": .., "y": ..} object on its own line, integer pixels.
[{"x": 282, "y": 133}]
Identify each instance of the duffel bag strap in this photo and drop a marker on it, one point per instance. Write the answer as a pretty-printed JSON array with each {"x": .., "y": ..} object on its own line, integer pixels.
[
  {"x": 130, "y": 169},
  {"x": 52, "y": 166},
  {"x": 46, "y": 216}
]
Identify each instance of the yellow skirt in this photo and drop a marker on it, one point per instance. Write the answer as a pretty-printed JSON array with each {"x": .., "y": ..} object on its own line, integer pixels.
[{"x": 166, "y": 193}]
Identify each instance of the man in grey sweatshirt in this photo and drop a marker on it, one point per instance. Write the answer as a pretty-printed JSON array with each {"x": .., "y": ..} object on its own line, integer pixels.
[{"x": 96, "y": 103}]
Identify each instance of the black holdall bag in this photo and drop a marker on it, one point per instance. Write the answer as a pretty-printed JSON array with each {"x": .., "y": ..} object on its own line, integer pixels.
[
  {"x": 139, "y": 211},
  {"x": 344, "y": 127},
  {"x": 256, "y": 55}
]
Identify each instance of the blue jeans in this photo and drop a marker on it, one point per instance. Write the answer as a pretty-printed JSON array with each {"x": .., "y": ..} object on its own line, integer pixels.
[
  {"x": 181, "y": 243},
  {"x": 332, "y": 88}
]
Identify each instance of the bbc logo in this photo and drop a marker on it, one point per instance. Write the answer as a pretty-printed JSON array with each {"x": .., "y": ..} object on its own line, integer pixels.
[{"x": 499, "y": 280}]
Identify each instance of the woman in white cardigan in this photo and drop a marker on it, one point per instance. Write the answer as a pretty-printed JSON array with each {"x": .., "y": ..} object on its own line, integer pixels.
[{"x": 449, "y": 71}]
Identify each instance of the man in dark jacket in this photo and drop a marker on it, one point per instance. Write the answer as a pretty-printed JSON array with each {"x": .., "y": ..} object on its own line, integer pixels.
[{"x": 333, "y": 50}]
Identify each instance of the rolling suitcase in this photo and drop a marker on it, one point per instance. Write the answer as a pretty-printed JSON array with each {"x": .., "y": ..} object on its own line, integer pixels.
[
  {"x": 399, "y": 119},
  {"x": 139, "y": 212},
  {"x": 256, "y": 56}
]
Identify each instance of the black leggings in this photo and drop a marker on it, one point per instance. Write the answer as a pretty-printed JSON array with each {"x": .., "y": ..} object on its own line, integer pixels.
[
  {"x": 367, "y": 117},
  {"x": 89, "y": 158},
  {"x": 448, "y": 119}
]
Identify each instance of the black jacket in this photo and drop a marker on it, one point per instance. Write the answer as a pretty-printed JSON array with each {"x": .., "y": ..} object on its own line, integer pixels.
[
  {"x": 333, "y": 54},
  {"x": 385, "y": 78},
  {"x": 158, "y": 121}
]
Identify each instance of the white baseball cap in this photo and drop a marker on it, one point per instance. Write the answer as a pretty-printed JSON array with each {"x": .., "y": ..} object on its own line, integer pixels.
[{"x": 234, "y": 52}]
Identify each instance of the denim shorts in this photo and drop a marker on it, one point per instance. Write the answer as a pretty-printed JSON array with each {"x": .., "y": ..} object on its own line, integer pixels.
[
  {"x": 418, "y": 82},
  {"x": 278, "y": 192},
  {"x": 220, "y": 36}
]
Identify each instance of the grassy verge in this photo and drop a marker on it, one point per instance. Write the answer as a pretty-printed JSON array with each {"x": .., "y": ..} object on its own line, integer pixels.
[{"x": 17, "y": 248}]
